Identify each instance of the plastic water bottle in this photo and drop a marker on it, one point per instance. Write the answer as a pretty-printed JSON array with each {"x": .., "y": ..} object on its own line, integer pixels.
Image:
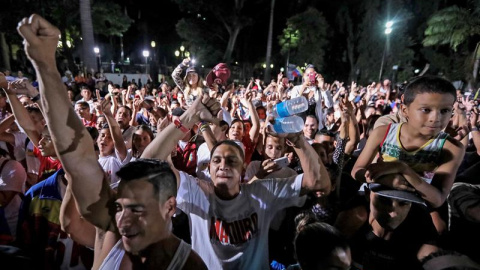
[
  {"x": 290, "y": 124},
  {"x": 290, "y": 107}
]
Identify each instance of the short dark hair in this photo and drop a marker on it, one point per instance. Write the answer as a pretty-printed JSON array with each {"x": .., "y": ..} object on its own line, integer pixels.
[
  {"x": 314, "y": 117},
  {"x": 83, "y": 104},
  {"x": 324, "y": 237},
  {"x": 126, "y": 108},
  {"x": 238, "y": 120},
  {"x": 154, "y": 171},
  {"x": 231, "y": 143},
  {"x": 428, "y": 84},
  {"x": 177, "y": 111}
]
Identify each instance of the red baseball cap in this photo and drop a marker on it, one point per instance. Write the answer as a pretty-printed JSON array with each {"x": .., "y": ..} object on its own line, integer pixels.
[{"x": 219, "y": 75}]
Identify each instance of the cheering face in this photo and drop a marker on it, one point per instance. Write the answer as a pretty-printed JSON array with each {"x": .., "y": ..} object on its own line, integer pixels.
[
  {"x": 236, "y": 131},
  {"x": 123, "y": 117},
  {"x": 141, "y": 218},
  {"x": 105, "y": 142},
  {"x": 310, "y": 128},
  {"x": 45, "y": 145},
  {"x": 192, "y": 78},
  {"x": 226, "y": 167},
  {"x": 141, "y": 139},
  {"x": 81, "y": 111}
]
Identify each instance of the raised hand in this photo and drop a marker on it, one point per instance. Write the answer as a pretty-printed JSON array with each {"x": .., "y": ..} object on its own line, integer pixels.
[
  {"x": 267, "y": 167},
  {"x": 21, "y": 87},
  {"x": 40, "y": 39},
  {"x": 106, "y": 105}
]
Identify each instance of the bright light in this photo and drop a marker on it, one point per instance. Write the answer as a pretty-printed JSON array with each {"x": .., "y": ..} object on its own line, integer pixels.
[
  {"x": 96, "y": 50},
  {"x": 187, "y": 54},
  {"x": 203, "y": 66},
  {"x": 177, "y": 53},
  {"x": 236, "y": 63},
  {"x": 153, "y": 44},
  {"x": 182, "y": 48},
  {"x": 271, "y": 65},
  {"x": 388, "y": 31},
  {"x": 282, "y": 69},
  {"x": 264, "y": 65},
  {"x": 417, "y": 71},
  {"x": 69, "y": 44},
  {"x": 389, "y": 24},
  {"x": 193, "y": 61},
  {"x": 146, "y": 53}
]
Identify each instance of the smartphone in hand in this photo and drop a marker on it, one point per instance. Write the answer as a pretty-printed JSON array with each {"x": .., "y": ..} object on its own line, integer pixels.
[{"x": 281, "y": 162}]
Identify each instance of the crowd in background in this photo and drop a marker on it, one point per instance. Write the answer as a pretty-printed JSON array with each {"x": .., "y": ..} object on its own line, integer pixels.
[{"x": 354, "y": 224}]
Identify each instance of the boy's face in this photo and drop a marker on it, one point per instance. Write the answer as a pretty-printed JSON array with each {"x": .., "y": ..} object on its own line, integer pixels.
[{"x": 429, "y": 113}]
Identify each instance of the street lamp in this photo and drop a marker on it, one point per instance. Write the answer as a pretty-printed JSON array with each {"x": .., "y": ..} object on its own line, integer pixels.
[
  {"x": 96, "y": 50},
  {"x": 182, "y": 53},
  {"x": 388, "y": 30},
  {"x": 146, "y": 54}
]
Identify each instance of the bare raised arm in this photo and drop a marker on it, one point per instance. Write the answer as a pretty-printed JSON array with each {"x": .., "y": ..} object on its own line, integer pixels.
[
  {"x": 73, "y": 143},
  {"x": 202, "y": 109},
  {"x": 21, "y": 114},
  {"x": 115, "y": 130}
]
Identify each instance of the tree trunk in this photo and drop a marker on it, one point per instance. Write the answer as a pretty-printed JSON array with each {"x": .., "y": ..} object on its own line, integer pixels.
[
  {"x": 227, "y": 57},
  {"x": 5, "y": 57},
  {"x": 87, "y": 35},
  {"x": 266, "y": 77}
]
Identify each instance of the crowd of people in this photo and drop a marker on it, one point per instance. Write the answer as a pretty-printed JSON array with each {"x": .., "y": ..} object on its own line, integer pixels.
[{"x": 191, "y": 175}]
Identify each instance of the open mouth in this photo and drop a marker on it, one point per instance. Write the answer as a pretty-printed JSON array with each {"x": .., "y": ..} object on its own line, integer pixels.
[{"x": 130, "y": 235}]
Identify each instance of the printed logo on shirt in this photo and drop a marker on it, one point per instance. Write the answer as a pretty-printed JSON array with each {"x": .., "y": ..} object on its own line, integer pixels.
[{"x": 235, "y": 232}]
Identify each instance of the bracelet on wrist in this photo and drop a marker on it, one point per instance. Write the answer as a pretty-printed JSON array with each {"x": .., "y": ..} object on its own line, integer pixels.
[{"x": 178, "y": 124}]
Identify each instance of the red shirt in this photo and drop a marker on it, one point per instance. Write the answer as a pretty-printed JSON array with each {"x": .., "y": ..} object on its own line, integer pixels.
[
  {"x": 91, "y": 123},
  {"x": 48, "y": 166}
]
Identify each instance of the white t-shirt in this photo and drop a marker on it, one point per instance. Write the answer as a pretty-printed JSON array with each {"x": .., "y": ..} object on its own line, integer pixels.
[
  {"x": 112, "y": 164},
  {"x": 233, "y": 234},
  {"x": 13, "y": 177},
  {"x": 254, "y": 167},
  {"x": 203, "y": 158}
]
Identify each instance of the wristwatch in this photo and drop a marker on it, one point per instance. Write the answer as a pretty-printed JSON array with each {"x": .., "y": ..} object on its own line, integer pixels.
[{"x": 178, "y": 124}]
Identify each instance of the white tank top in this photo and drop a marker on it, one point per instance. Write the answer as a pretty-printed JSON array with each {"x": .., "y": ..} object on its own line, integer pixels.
[{"x": 115, "y": 256}]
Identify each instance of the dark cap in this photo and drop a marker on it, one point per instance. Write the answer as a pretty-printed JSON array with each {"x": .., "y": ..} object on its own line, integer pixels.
[{"x": 401, "y": 195}]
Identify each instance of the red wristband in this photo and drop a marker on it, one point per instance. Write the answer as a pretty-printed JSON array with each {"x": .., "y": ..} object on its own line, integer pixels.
[{"x": 178, "y": 124}]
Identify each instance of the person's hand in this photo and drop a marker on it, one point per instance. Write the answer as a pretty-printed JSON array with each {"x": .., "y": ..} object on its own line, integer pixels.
[
  {"x": 468, "y": 104},
  {"x": 137, "y": 103},
  {"x": 186, "y": 61},
  {"x": 40, "y": 39},
  {"x": 21, "y": 87},
  {"x": 98, "y": 107},
  {"x": 106, "y": 106},
  {"x": 267, "y": 167},
  {"x": 388, "y": 173},
  {"x": 474, "y": 117},
  {"x": 3, "y": 81},
  {"x": 247, "y": 97},
  {"x": 320, "y": 82},
  {"x": 205, "y": 109},
  {"x": 279, "y": 76}
]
